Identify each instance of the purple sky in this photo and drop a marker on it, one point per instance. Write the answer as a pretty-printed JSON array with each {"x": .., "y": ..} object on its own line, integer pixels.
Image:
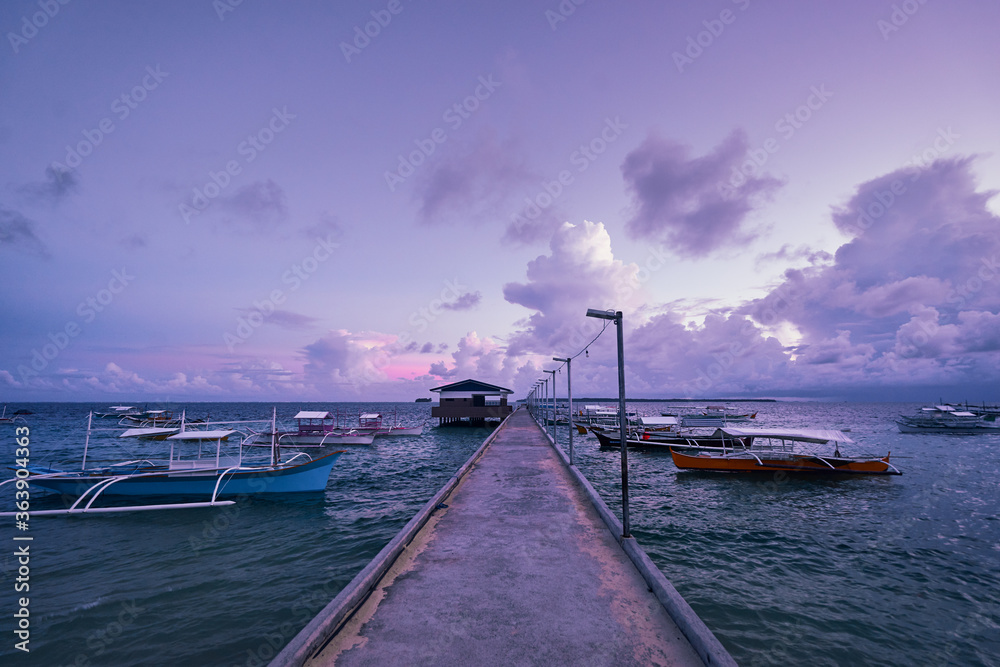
[{"x": 201, "y": 201}]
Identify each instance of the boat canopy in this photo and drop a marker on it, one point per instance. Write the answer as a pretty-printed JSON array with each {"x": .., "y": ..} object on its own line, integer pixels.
[
  {"x": 803, "y": 434},
  {"x": 371, "y": 415},
  {"x": 122, "y": 407},
  {"x": 201, "y": 435},
  {"x": 305, "y": 414},
  {"x": 147, "y": 432},
  {"x": 659, "y": 421}
]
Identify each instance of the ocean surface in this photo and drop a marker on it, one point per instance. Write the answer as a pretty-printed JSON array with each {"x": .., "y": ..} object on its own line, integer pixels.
[{"x": 861, "y": 571}]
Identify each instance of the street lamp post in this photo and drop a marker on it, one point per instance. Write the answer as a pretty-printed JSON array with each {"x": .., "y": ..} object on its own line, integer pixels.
[
  {"x": 553, "y": 374},
  {"x": 545, "y": 401},
  {"x": 622, "y": 418},
  {"x": 569, "y": 391}
]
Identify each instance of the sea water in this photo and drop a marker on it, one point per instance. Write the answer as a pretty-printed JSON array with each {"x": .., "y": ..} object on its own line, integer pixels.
[{"x": 855, "y": 571}]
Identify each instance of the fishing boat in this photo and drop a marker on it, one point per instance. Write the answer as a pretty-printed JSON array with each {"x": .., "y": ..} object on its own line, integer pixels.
[
  {"x": 946, "y": 419},
  {"x": 714, "y": 417},
  {"x": 17, "y": 416},
  {"x": 316, "y": 429},
  {"x": 373, "y": 422},
  {"x": 192, "y": 468},
  {"x": 601, "y": 418},
  {"x": 781, "y": 450},
  {"x": 119, "y": 411},
  {"x": 655, "y": 435}
]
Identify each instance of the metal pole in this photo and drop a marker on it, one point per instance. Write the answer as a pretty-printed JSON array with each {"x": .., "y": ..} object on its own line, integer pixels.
[
  {"x": 569, "y": 390},
  {"x": 569, "y": 403},
  {"x": 546, "y": 423},
  {"x": 553, "y": 373},
  {"x": 622, "y": 423},
  {"x": 86, "y": 443}
]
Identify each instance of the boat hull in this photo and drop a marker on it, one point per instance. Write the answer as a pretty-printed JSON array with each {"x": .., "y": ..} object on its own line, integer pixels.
[
  {"x": 330, "y": 439},
  {"x": 304, "y": 478},
  {"x": 946, "y": 429},
  {"x": 792, "y": 463},
  {"x": 664, "y": 441}
]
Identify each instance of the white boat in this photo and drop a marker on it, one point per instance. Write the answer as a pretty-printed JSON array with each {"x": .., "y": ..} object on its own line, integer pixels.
[
  {"x": 373, "y": 422},
  {"x": 945, "y": 419},
  {"x": 316, "y": 429},
  {"x": 192, "y": 468},
  {"x": 119, "y": 411},
  {"x": 714, "y": 416},
  {"x": 601, "y": 418}
]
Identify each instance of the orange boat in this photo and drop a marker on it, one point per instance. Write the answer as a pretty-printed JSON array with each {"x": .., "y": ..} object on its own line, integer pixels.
[{"x": 773, "y": 450}]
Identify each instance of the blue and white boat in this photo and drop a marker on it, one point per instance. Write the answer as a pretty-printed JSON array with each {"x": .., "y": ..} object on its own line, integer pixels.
[{"x": 193, "y": 468}]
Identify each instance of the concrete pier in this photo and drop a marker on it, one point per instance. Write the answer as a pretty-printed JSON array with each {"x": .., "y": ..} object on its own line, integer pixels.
[{"x": 520, "y": 567}]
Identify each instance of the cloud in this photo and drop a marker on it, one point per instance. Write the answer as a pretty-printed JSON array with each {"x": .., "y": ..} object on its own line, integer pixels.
[
  {"x": 343, "y": 358},
  {"x": 688, "y": 203},
  {"x": 466, "y": 301},
  {"x": 472, "y": 182},
  {"x": 263, "y": 203},
  {"x": 912, "y": 296},
  {"x": 18, "y": 233},
  {"x": 285, "y": 319},
  {"x": 485, "y": 359},
  {"x": 579, "y": 273},
  {"x": 726, "y": 354},
  {"x": 57, "y": 184},
  {"x": 787, "y": 254}
]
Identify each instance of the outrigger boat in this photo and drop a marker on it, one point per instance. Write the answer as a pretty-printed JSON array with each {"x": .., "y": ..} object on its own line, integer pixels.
[
  {"x": 773, "y": 450},
  {"x": 662, "y": 440},
  {"x": 946, "y": 419},
  {"x": 17, "y": 416},
  {"x": 119, "y": 411},
  {"x": 317, "y": 429},
  {"x": 372, "y": 422},
  {"x": 189, "y": 471},
  {"x": 714, "y": 417}
]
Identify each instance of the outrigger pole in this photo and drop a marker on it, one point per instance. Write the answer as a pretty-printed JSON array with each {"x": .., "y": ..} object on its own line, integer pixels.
[{"x": 86, "y": 443}]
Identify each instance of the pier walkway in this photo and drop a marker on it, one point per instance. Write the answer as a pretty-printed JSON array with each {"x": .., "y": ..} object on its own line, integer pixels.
[{"x": 518, "y": 569}]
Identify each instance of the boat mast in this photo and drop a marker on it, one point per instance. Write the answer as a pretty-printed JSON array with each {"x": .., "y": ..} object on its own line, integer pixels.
[
  {"x": 86, "y": 443},
  {"x": 274, "y": 436}
]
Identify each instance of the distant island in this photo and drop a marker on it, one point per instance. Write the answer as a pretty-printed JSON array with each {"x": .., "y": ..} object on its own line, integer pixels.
[{"x": 422, "y": 400}]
